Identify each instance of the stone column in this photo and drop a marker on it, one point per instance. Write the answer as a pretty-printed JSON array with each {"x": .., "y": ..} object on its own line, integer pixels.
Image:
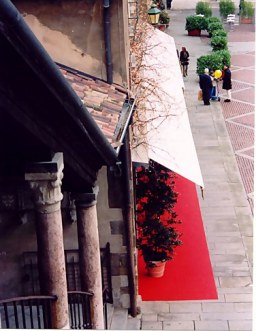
[
  {"x": 89, "y": 253},
  {"x": 45, "y": 182}
]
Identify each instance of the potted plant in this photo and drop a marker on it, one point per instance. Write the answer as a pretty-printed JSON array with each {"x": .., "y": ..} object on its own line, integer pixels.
[
  {"x": 214, "y": 61},
  {"x": 213, "y": 19},
  {"x": 164, "y": 20},
  {"x": 214, "y": 26},
  {"x": 221, "y": 33},
  {"x": 226, "y": 7},
  {"x": 194, "y": 25},
  {"x": 203, "y": 8},
  {"x": 155, "y": 199},
  {"x": 246, "y": 12},
  {"x": 219, "y": 43}
]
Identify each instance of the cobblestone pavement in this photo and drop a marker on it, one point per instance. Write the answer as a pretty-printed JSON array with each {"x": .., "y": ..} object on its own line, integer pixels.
[{"x": 223, "y": 135}]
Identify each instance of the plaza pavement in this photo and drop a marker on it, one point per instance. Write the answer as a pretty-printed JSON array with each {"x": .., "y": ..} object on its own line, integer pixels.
[{"x": 225, "y": 209}]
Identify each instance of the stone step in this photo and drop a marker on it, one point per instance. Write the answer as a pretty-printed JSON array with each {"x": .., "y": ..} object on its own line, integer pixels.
[
  {"x": 133, "y": 323},
  {"x": 110, "y": 311},
  {"x": 119, "y": 319}
]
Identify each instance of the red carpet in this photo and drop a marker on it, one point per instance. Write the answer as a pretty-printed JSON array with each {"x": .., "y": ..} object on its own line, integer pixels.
[{"x": 189, "y": 275}]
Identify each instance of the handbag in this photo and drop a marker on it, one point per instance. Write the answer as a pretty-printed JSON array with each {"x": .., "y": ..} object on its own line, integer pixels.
[{"x": 200, "y": 95}]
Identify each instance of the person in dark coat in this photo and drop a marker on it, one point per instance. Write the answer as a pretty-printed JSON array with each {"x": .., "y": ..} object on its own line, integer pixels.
[
  {"x": 169, "y": 4},
  {"x": 226, "y": 82},
  {"x": 184, "y": 61},
  {"x": 205, "y": 83}
]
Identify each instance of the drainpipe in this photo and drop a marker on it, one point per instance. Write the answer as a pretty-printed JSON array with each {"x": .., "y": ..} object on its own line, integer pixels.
[
  {"x": 107, "y": 40},
  {"x": 128, "y": 216}
]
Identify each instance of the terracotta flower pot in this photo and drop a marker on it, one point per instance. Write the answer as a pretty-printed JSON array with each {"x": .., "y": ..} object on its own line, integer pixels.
[
  {"x": 246, "y": 20},
  {"x": 157, "y": 270},
  {"x": 195, "y": 33}
]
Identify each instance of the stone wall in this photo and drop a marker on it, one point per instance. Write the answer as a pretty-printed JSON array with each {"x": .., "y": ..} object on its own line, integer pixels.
[{"x": 72, "y": 33}]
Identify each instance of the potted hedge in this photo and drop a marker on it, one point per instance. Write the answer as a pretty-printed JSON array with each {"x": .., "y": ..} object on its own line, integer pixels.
[
  {"x": 203, "y": 8},
  {"x": 164, "y": 20},
  {"x": 155, "y": 223},
  {"x": 220, "y": 33},
  {"x": 219, "y": 42},
  {"x": 194, "y": 25},
  {"x": 213, "y": 61},
  {"x": 214, "y": 26},
  {"x": 226, "y": 7},
  {"x": 246, "y": 12},
  {"x": 213, "y": 19}
]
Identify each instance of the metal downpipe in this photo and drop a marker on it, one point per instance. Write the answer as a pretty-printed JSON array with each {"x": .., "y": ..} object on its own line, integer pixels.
[{"x": 107, "y": 40}]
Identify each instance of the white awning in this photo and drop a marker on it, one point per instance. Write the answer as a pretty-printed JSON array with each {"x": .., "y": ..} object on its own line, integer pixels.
[{"x": 165, "y": 135}]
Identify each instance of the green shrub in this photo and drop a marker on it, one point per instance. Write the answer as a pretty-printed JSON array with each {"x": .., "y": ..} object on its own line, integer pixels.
[
  {"x": 220, "y": 33},
  {"x": 247, "y": 9},
  {"x": 214, "y": 61},
  {"x": 203, "y": 8},
  {"x": 196, "y": 22},
  {"x": 226, "y": 7},
  {"x": 164, "y": 17},
  {"x": 214, "y": 26},
  {"x": 219, "y": 43},
  {"x": 225, "y": 55},
  {"x": 213, "y": 19}
]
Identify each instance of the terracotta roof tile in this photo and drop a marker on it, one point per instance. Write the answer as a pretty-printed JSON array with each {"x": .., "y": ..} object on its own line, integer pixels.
[{"x": 103, "y": 101}]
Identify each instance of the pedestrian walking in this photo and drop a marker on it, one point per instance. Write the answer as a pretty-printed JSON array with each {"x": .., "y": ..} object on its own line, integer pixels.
[
  {"x": 205, "y": 83},
  {"x": 226, "y": 82},
  {"x": 184, "y": 61}
]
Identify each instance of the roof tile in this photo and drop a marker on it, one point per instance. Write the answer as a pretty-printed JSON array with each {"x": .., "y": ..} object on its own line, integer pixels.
[{"x": 103, "y": 101}]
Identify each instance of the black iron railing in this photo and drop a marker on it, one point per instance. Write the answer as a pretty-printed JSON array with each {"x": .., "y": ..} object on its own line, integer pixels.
[
  {"x": 31, "y": 273},
  {"x": 105, "y": 296},
  {"x": 79, "y": 304},
  {"x": 32, "y": 312}
]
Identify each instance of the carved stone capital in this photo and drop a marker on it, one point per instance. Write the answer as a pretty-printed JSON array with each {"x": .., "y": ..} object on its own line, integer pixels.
[
  {"x": 47, "y": 193},
  {"x": 46, "y": 186}
]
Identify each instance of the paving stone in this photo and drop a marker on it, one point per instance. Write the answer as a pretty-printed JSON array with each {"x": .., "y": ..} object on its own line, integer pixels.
[
  {"x": 149, "y": 317},
  {"x": 213, "y": 316},
  {"x": 178, "y": 317},
  {"x": 233, "y": 290},
  {"x": 238, "y": 297},
  {"x": 212, "y": 307},
  {"x": 211, "y": 325},
  {"x": 243, "y": 307},
  {"x": 148, "y": 307},
  {"x": 185, "y": 307},
  {"x": 228, "y": 258},
  {"x": 184, "y": 325},
  {"x": 145, "y": 325},
  {"x": 235, "y": 281},
  {"x": 240, "y": 325}
]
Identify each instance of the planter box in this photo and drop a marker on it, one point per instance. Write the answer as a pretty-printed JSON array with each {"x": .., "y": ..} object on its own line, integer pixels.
[
  {"x": 162, "y": 27},
  {"x": 246, "y": 20},
  {"x": 194, "y": 33}
]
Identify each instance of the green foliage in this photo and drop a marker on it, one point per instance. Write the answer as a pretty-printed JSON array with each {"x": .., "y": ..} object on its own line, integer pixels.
[
  {"x": 220, "y": 33},
  {"x": 203, "y": 8},
  {"x": 196, "y": 22},
  {"x": 213, "y": 19},
  {"x": 247, "y": 9},
  {"x": 225, "y": 56},
  {"x": 164, "y": 17},
  {"x": 226, "y": 7},
  {"x": 155, "y": 199},
  {"x": 214, "y": 61},
  {"x": 214, "y": 26},
  {"x": 219, "y": 43}
]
